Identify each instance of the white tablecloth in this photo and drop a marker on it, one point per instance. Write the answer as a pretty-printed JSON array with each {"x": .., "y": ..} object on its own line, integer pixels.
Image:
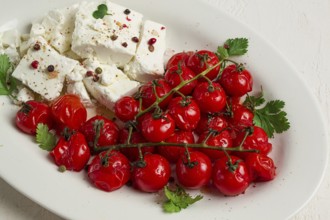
[{"x": 301, "y": 30}]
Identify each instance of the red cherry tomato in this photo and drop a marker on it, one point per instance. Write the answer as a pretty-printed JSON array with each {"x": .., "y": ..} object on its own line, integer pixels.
[
  {"x": 213, "y": 122},
  {"x": 230, "y": 178},
  {"x": 172, "y": 153},
  {"x": 203, "y": 59},
  {"x": 195, "y": 174},
  {"x": 109, "y": 131},
  {"x": 31, "y": 114},
  {"x": 148, "y": 95},
  {"x": 71, "y": 152},
  {"x": 177, "y": 58},
  {"x": 241, "y": 117},
  {"x": 185, "y": 113},
  {"x": 261, "y": 167},
  {"x": 210, "y": 98},
  {"x": 223, "y": 139},
  {"x": 177, "y": 74},
  {"x": 236, "y": 80},
  {"x": 132, "y": 153},
  {"x": 109, "y": 171},
  {"x": 126, "y": 108},
  {"x": 68, "y": 111},
  {"x": 157, "y": 128},
  {"x": 153, "y": 176}
]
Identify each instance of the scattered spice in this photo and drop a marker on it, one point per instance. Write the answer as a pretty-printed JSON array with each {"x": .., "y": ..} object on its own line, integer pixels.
[
  {"x": 50, "y": 68},
  {"x": 128, "y": 19},
  {"x": 89, "y": 73},
  {"x": 96, "y": 78},
  {"x": 135, "y": 39},
  {"x": 152, "y": 41},
  {"x": 35, "y": 64},
  {"x": 151, "y": 48},
  {"x": 124, "y": 44},
  {"x": 127, "y": 11},
  {"x": 98, "y": 70},
  {"x": 36, "y": 46},
  {"x": 162, "y": 28},
  {"x": 52, "y": 75},
  {"x": 113, "y": 37}
]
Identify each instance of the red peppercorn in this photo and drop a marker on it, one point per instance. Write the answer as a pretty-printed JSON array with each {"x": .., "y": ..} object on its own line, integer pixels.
[
  {"x": 36, "y": 46},
  {"x": 35, "y": 64},
  {"x": 89, "y": 73},
  {"x": 152, "y": 41},
  {"x": 135, "y": 39}
]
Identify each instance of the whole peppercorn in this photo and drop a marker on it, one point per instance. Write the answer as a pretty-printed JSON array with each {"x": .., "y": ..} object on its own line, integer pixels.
[
  {"x": 50, "y": 68},
  {"x": 35, "y": 64}
]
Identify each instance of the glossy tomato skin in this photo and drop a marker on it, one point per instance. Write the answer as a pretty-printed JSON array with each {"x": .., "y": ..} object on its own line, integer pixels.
[
  {"x": 153, "y": 176},
  {"x": 126, "y": 108},
  {"x": 185, "y": 113},
  {"x": 241, "y": 117},
  {"x": 223, "y": 139},
  {"x": 109, "y": 172},
  {"x": 148, "y": 96},
  {"x": 173, "y": 153},
  {"x": 230, "y": 182},
  {"x": 180, "y": 58},
  {"x": 109, "y": 131},
  {"x": 73, "y": 153},
  {"x": 210, "y": 98},
  {"x": 157, "y": 129},
  {"x": 213, "y": 122},
  {"x": 261, "y": 167},
  {"x": 196, "y": 176},
  {"x": 68, "y": 111},
  {"x": 132, "y": 153},
  {"x": 235, "y": 81},
  {"x": 201, "y": 60},
  {"x": 177, "y": 74},
  {"x": 31, "y": 114}
]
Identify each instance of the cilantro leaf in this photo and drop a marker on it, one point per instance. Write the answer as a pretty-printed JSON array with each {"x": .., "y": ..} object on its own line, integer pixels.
[
  {"x": 270, "y": 116},
  {"x": 4, "y": 67},
  {"x": 236, "y": 46},
  {"x": 45, "y": 138},
  {"x": 102, "y": 10},
  {"x": 222, "y": 53},
  {"x": 178, "y": 199}
]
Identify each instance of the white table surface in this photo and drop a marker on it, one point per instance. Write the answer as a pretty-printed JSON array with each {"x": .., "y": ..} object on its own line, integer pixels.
[{"x": 301, "y": 31}]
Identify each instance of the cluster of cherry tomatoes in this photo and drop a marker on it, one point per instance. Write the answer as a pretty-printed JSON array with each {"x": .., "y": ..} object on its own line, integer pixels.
[{"x": 192, "y": 119}]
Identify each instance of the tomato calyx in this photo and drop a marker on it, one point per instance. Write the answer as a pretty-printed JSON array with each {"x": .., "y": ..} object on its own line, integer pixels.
[
  {"x": 67, "y": 133},
  {"x": 98, "y": 125},
  {"x": 26, "y": 108},
  {"x": 232, "y": 166}
]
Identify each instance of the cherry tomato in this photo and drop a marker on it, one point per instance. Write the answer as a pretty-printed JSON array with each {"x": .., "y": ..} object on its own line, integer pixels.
[
  {"x": 213, "y": 122},
  {"x": 195, "y": 174},
  {"x": 241, "y": 117},
  {"x": 230, "y": 178},
  {"x": 258, "y": 140},
  {"x": 181, "y": 57},
  {"x": 157, "y": 128},
  {"x": 109, "y": 131},
  {"x": 71, "y": 151},
  {"x": 68, "y": 111},
  {"x": 109, "y": 171},
  {"x": 31, "y": 114},
  {"x": 172, "y": 153},
  {"x": 153, "y": 176},
  {"x": 260, "y": 166},
  {"x": 236, "y": 81},
  {"x": 203, "y": 59},
  {"x": 132, "y": 153},
  {"x": 147, "y": 93},
  {"x": 177, "y": 74},
  {"x": 185, "y": 113},
  {"x": 126, "y": 108},
  {"x": 222, "y": 139},
  {"x": 210, "y": 98}
]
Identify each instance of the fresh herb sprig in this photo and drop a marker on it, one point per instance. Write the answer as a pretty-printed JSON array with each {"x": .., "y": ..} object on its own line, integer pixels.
[
  {"x": 45, "y": 138},
  {"x": 233, "y": 47},
  {"x": 101, "y": 11}
]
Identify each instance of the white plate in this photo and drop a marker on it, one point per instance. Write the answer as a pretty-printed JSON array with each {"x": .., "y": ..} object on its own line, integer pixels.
[{"x": 300, "y": 154}]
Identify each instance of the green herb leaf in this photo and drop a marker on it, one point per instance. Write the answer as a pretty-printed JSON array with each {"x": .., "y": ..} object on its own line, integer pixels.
[
  {"x": 222, "y": 53},
  {"x": 102, "y": 10},
  {"x": 45, "y": 138},
  {"x": 236, "y": 46},
  {"x": 4, "y": 67},
  {"x": 270, "y": 116},
  {"x": 178, "y": 199}
]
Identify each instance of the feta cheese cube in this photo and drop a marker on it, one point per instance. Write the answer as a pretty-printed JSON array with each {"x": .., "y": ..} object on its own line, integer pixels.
[
  {"x": 110, "y": 85},
  {"x": 47, "y": 84},
  {"x": 11, "y": 38},
  {"x": 148, "y": 62},
  {"x": 24, "y": 94},
  {"x": 78, "y": 88},
  {"x": 108, "y": 39}
]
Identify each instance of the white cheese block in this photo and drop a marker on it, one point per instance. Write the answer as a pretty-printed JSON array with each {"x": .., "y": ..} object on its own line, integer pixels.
[
  {"x": 108, "y": 39},
  {"x": 48, "y": 84},
  {"x": 78, "y": 88},
  {"x": 13, "y": 55},
  {"x": 57, "y": 27},
  {"x": 110, "y": 85},
  {"x": 24, "y": 94},
  {"x": 11, "y": 38},
  {"x": 148, "y": 62}
]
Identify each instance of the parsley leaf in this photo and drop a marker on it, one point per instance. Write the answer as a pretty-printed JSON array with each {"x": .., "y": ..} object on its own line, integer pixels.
[
  {"x": 222, "y": 53},
  {"x": 45, "y": 138},
  {"x": 178, "y": 199},
  {"x": 269, "y": 116},
  {"x": 4, "y": 67},
  {"x": 233, "y": 47},
  {"x": 102, "y": 10}
]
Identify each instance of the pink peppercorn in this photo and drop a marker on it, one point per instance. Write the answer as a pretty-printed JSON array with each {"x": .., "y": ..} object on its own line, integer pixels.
[
  {"x": 152, "y": 41},
  {"x": 35, "y": 64}
]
